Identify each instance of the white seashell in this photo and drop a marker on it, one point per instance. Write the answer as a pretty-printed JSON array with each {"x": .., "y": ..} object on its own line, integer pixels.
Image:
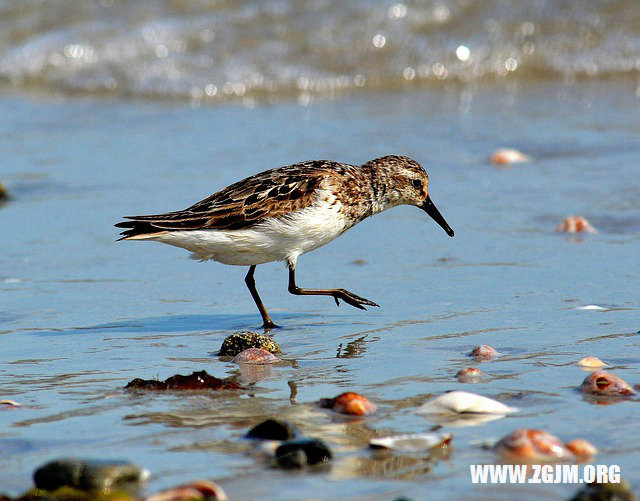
[
  {"x": 464, "y": 402},
  {"x": 10, "y": 403},
  {"x": 591, "y": 362},
  {"x": 417, "y": 442},
  {"x": 463, "y": 420}
]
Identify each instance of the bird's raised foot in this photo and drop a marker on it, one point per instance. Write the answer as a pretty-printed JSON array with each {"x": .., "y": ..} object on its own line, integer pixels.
[{"x": 352, "y": 299}]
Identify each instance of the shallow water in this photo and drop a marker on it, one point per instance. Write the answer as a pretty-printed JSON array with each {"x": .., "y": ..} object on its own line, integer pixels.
[
  {"x": 81, "y": 315},
  {"x": 255, "y": 51}
]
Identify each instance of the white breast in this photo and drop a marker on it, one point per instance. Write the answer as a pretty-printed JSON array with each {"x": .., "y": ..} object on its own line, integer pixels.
[{"x": 280, "y": 239}]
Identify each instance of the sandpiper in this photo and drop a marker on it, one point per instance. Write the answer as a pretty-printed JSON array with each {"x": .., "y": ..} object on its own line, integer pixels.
[{"x": 281, "y": 213}]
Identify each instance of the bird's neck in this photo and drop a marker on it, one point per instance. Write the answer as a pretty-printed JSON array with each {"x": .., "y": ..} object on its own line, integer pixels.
[{"x": 384, "y": 195}]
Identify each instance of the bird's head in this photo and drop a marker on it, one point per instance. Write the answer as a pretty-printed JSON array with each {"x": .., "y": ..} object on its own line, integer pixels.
[{"x": 408, "y": 183}]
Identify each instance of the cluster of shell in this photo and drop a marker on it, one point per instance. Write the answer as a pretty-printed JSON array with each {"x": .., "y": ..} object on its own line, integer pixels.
[{"x": 459, "y": 408}]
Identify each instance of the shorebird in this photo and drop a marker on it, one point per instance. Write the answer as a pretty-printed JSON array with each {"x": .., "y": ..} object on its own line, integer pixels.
[{"x": 280, "y": 214}]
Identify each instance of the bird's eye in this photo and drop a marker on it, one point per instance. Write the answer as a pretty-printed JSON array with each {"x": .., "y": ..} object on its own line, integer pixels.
[{"x": 417, "y": 184}]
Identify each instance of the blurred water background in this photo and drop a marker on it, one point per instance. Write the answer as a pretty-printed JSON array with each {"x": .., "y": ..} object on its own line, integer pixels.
[
  {"x": 113, "y": 108},
  {"x": 215, "y": 50}
]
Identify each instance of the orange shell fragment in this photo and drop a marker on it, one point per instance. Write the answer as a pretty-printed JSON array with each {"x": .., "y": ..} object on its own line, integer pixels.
[
  {"x": 350, "y": 403},
  {"x": 533, "y": 445}
]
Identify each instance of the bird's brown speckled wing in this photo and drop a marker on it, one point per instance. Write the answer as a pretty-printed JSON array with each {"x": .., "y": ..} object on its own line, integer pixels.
[{"x": 273, "y": 193}]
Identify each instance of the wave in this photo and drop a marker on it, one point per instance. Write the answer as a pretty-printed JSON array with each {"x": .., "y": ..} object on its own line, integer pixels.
[{"x": 220, "y": 50}]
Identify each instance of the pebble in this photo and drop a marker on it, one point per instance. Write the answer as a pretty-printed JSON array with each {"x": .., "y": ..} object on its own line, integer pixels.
[
  {"x": 88, "y": 475},
  {"x": 608, "y": 491},
  {"x": 272, "y": 429},
  {"x": 350, "y": 403},
  {"x": 295, "y": 454},
  {"x": 199, "y": 380},
  {"x": 4, "y": 193},
  {"x": 240, "y": 341},
  {"x": 256, "y": 356}
]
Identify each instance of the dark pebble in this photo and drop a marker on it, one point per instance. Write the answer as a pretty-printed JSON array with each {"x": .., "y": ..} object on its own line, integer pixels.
[
  {"x": 87, "y": 475},
  {"x": 4, "y": 194},
  {"x": 272, "y": 429},
  {"x": 605, "y": 492},
  {"x": 303, "y": 451},
  {"x": 199, "y": 380}
]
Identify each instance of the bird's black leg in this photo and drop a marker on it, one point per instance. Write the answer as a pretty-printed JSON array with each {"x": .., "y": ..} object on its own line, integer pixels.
[
  {"x": 267, "y": 323},
  {"x": 345, "y": 295}
]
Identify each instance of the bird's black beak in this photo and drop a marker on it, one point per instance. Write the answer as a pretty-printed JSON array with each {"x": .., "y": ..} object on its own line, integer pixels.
[{"x": 431, "y": 209}]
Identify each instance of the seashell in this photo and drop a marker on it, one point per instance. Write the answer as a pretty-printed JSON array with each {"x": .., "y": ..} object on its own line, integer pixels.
[
  {"x": 417, "y": 442},
  {"x": 532, "y": 445},
  {"x": 581, "y": 448},
  {"x": 507, "y": 156},
  {"x": 202, "y": 489},
  {"x": 256, "y": 356},
  {"x": 240, "y": 341},
  {"x": 484, "y": 353},
  {"x": 591, "y": 362},
  {"x": 464, "y": 402},
  {"x": 591, "y": 307},
  {"x": 605, "y": 383},
  {"x": 349, "y": 403},
  {"x": 10, "y": 403},
  {"x": 469, "y": 375},
  {"x": 575, "y": 224}
]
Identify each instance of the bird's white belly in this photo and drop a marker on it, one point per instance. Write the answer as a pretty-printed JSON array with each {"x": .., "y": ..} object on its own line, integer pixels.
[{"x": 280, "y": 239}]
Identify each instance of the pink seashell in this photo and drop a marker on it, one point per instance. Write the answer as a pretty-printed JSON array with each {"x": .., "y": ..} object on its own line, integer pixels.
[
  {"x": 532, "y": 445},
  {"x": 470, "y": 374},
  {"x": 591, "y": 362},
  {"x": 350, "y": 403},
  {"x": 484, "y": 353},
  {"x": 581, "y": 448},
  {"x": 575, "y": 224},
  {"x": 507, "y": 156},
  {"x": 255, "y": 356},
  {"x": 605, "y": 383}
]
